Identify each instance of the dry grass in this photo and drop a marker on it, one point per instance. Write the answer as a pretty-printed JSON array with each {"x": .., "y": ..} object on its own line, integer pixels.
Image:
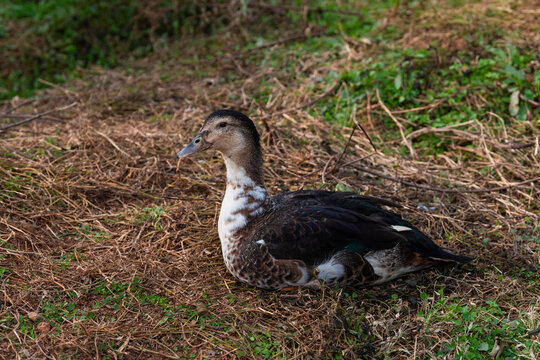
[
  {"x": 114, "y": 244},
  {"x": 449, "y": 25}
]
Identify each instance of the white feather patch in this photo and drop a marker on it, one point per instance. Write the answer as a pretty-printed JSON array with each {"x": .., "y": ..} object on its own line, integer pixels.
[
  {"x": 305, "y": 276},
  {"x": 400, "y": 228},
  {"x": 241, "y": 194},
  {"x": 258, "y": 193},
  {"x": 237, "y": 174},
  {"x": 330, "y": 270},
  {"x": 256, "y": 211}
]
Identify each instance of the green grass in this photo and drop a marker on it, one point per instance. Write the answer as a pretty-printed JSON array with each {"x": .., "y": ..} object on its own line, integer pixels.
[
  {"x": 264, "y": 346},
  {"x": 49, "y": 39},
  {"x": 86, "y": 231},
  {"x": 410, "y": 79},
  {"x": 475, "y": 328}
]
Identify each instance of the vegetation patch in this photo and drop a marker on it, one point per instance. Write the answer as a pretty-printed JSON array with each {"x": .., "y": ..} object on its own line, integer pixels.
[
  {"x": 478, "y": 330},
  {"x": 44, "y": 41}
]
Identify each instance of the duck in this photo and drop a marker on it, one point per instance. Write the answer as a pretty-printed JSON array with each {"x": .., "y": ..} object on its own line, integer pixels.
[{"x": 305, "y": 238}]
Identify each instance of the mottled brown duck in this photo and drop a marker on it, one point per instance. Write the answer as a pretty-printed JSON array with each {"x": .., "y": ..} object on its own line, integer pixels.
[{"x": 310, "y": 237}]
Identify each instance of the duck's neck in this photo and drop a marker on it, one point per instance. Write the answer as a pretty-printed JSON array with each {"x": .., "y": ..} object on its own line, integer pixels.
[
  {"x": 245, "y": 196},
  {"x": 239, "y": 174},
  {"x": 245, "y": 165}
]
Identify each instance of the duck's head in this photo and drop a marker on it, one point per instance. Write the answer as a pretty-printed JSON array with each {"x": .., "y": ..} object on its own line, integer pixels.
[{"x": 228, "y": 131}]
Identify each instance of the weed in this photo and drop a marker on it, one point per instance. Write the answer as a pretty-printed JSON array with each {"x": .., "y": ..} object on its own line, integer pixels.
[
  {"x": 26, "y": 327},
  {"x": 151, "y": 215},
  {"x": 86, "y": 231},
  {"x": 264, "y": 346},
  {"x": 4, "y": 273}
]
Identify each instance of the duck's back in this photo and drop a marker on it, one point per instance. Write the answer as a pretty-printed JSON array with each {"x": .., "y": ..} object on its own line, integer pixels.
[{"x": 339, "y": 233}]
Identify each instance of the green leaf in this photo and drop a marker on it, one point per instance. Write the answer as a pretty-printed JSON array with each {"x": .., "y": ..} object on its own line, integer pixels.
[
  {"x": 522, "y": 114},
  {"x": 483, "y": 346},
  {"x": 512, "y": 71},
  {"x": 397, "y": 81},
  {"x": 343, "y": 188}
]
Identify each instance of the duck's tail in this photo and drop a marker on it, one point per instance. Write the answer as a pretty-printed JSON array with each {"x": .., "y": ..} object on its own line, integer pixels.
[
  {"x": 441, "y": 254},
  {"x": 421, "y": 244}
]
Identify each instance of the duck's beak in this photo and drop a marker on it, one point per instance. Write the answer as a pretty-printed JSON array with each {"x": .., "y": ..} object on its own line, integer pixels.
[{"x": 196, "y": 145}]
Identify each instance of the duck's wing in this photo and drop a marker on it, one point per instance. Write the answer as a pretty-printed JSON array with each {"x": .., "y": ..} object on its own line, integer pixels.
[
  {"x": 316, "y": 232},
  {"x": 329, "y": 197},
  {"x": 310, "y": 227}
]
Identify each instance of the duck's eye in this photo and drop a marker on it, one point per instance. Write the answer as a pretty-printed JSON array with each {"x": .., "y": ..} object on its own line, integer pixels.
[{"x": 222, "y": 124}]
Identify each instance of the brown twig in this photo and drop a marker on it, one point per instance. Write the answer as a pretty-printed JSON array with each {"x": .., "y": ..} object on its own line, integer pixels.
[
  {"x": 425, "y": 187},
  {"x": 24, "y": 103},
  {"x": 368, "y": 111},
  {"x": 67, "y": 92},
  {"x": 18, "y": 106},
  {"x": 37, "y": 116},
  {"x": 186, "y": 198},
  {"x": 427, "y": 107},
  {"x": 112, "y": 142},
  {"x": 356, "y": 124},
  {"x": 467, "y": 135},
  {"x": 308, "y": 104},
  {"x": 398, "y": 124},
  {"x": 323, "y": 175},
  {"x": 287, "y": 40},
  {"x": 344, "y": 150},
  {"x": 363, "y": 130},
  {"x": 532, "y": 102},
  {"x": 239, "y": 67},
  {"x": 280, "y": 8}
]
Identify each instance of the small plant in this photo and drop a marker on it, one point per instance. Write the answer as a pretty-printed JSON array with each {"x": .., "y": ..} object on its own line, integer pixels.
[
  {"x": 26, "y": 327},
  {"x": 86, "y": 231},
  {"x": 152, "y": 215},
  {"x": 4, "y": 273},
  {"x": 264, "y": 346}
]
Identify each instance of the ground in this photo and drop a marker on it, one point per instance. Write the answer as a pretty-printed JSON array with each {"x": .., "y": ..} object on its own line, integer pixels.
[{"x": 109, "y": 243}]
